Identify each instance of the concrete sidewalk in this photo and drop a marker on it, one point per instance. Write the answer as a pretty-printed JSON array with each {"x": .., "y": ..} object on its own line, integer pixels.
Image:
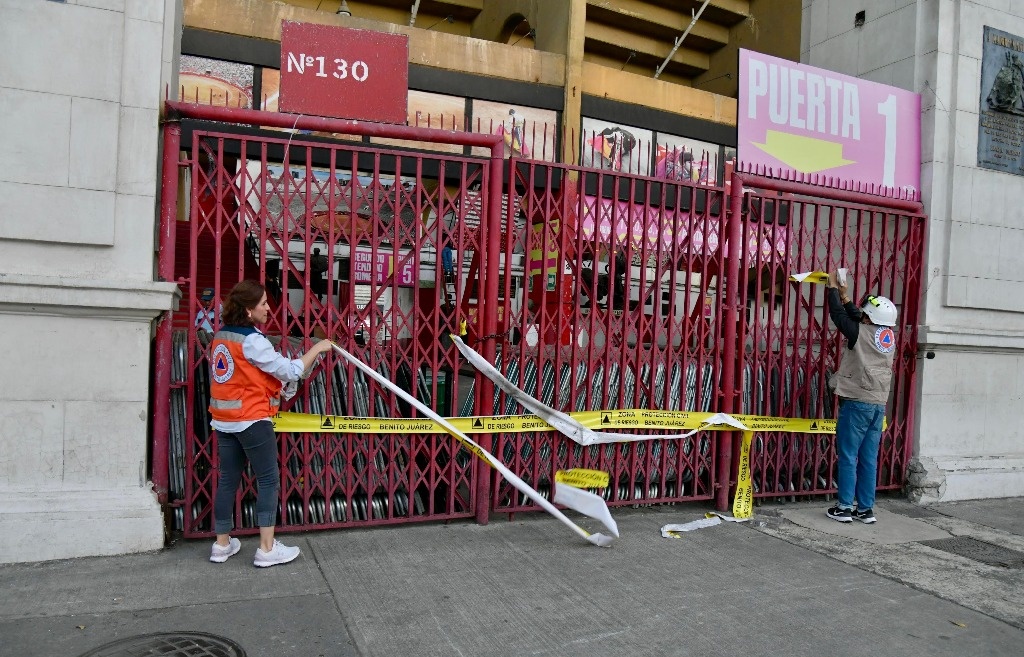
[{"x": 791, "y": 582}]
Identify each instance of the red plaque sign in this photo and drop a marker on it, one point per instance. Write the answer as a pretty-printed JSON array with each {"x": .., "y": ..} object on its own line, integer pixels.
[{"x": 344, "y": 73}]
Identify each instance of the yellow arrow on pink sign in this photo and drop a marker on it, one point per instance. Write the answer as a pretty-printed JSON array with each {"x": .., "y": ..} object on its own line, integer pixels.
[{"x": 804, "y": 154}]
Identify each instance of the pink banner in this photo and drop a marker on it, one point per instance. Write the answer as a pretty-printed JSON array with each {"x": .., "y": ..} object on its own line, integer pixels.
[
  {"x": 793, "y": 117},
  {"x": 621, "y": 223}
]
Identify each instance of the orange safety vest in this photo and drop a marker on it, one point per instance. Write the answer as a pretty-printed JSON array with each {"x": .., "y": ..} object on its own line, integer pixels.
[{"x": 239, "y": 391}]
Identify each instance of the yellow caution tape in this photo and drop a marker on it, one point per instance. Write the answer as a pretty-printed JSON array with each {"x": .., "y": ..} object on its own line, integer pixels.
[
  {"x": 743, "y": 503},
  {"x": 817, "y": 277},
  {"x": 582, "y": 478},
  {"x": 597, "y": 420}
]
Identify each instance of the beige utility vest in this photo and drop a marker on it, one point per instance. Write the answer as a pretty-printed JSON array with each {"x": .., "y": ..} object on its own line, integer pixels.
[{"x": 865, "y": 372}]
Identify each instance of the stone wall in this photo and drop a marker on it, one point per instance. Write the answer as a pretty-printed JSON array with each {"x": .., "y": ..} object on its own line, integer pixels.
[
  {"x": 968, "y": 444},
  {"x": 80, "y": 92}
]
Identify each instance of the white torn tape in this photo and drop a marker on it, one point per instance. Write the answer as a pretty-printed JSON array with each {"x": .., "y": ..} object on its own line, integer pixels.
[
  {"x": 588, "y": 504},
  {"x": 566, "y": 424},
  {"x": 710, "y": 519},
  {"x": 673, "y": 531},
  {"x": 818, "y": 277}
]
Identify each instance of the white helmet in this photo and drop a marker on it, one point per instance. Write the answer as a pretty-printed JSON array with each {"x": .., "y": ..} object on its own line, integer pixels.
[{"x": 879, "y": 310}]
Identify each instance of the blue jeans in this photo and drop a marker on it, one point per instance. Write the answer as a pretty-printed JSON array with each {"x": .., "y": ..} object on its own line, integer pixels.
[
  {"x": 259, "y": 444},
  {"x": 858, "y": 432}
]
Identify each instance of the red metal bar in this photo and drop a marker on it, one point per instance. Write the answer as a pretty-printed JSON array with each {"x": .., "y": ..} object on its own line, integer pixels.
[
  {"x": 165, "y": 270},
  {"x": 728, "y": 329},
  {"x": 913, "y": 294},
  {"x": 847, "y": 196},
  {"x": 243, "y": 116},
  {"x": 489, "y": 305}
]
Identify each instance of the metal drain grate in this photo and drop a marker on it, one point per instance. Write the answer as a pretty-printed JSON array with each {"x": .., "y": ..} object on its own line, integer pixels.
[
  {"x": 994, "y": 555},
  {"x": 169, "y": 644}
]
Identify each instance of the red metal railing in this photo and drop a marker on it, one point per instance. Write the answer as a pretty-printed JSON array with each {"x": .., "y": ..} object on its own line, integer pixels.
[{"x": 591, "y": 289}]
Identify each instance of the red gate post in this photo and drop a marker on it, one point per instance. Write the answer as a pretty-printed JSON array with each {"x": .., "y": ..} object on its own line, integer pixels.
[
  {"x": 730, "y": 335},
  {"x": 488, "y": 310},
  {"x": 165, "y": 270}
]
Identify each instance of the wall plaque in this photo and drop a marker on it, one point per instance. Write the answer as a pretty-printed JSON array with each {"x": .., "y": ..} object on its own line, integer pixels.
[{"x": 1001, "y": 113}]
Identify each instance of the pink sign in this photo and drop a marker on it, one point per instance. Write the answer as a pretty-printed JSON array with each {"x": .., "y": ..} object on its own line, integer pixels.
[
  {"x": 793, "y": 117},
  {"x": 367, "y": 269}
]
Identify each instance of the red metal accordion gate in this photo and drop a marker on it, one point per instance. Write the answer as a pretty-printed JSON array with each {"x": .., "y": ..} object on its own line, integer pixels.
[
  {"x": 353, "y": 243},
  {"x": 789, "y": 346},
  {"x": 590, "y": 289}
]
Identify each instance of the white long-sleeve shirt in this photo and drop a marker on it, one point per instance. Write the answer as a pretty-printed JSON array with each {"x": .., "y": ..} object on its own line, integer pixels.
[{"x": 259, "y": 352}]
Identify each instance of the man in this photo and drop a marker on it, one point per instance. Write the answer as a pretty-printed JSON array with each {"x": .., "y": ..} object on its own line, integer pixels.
[
  {"x": 318, "y": 265},
  {"x": 862, "y": 384},
  {"x": 206, "y": 320}
]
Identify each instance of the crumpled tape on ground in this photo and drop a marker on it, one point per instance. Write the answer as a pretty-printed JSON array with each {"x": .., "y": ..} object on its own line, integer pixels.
[
  {"x": 710, "y": 519},
  {"x": 566, "y": 424},
  {"x": 579, "y": 500}
]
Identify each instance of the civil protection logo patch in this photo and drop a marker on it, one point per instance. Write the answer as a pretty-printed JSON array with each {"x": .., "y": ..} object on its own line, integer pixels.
[
  {"x": 224, "y": 365},
  {"x": 885, "y": 339}
]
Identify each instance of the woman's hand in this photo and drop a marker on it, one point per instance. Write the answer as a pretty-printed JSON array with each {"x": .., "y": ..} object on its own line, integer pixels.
[
  {"x": 322, "y": 347},
  {"x": 310, "y": 357}
]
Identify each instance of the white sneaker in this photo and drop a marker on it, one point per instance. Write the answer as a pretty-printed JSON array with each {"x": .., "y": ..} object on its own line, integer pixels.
[
  {"x": 279, "y": 554},
  {"x": 220, "y": 553}
]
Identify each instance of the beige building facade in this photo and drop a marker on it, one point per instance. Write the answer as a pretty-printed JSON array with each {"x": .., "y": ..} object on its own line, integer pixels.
[{"x": 80, "y": 186}]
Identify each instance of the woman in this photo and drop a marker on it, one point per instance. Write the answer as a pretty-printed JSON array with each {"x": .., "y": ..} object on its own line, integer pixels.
[{"x": 245, "y": 391}]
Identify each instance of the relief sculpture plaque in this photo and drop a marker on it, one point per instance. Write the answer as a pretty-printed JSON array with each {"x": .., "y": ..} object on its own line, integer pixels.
[{"x": 1001, "y": 114}]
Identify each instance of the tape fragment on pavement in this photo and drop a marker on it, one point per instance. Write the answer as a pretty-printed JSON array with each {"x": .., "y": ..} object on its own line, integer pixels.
[
  {"x": 586, "y": 503},
  {"x": 673, "y": 531},
  {"x": 566, "y": 424},
  {"x": 710, "y": 519}
]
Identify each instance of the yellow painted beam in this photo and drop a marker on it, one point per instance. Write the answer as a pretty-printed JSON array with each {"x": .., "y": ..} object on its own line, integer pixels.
[
  {"x": 628, "y": 87},
  {"x": 643, "y": 68}
]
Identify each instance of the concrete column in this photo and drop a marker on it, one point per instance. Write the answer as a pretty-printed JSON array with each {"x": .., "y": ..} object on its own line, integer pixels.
[{"x": 78, "y": 186}]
